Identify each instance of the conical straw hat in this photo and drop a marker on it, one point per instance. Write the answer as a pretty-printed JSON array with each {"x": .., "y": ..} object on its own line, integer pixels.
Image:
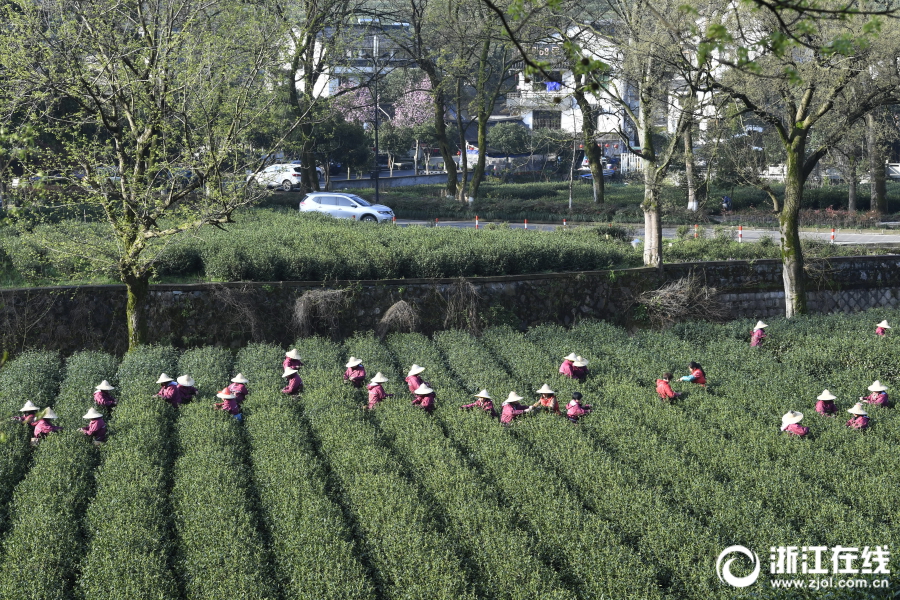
[
  {"x": 423, "y": 390},
  {"x": 415, "y": 370},
  {"x": 239, "y": 378},
  {"x": 93, "y": 413},
  {"x": 293, "y": 353},
  {"x": 353, "y": 362},
  {"x": 791, "y": 417},
  {"x": 760, "y": 325},
  {"x": 29, "y": 406},
  {"x": 104, "y": 385},
  {"x": 483, "y": 394},
  {"x": 186, "y": 381},
  {"x": 884, "y": 324},
  {"x": 288, "y": 372},
  {"x": 826, "y": 395},
  {"x": 164, "y": 379},
  {"x": 877, "y": 386},
  {"x": 379, "y": 378},
  {"x": 513, "y": 397},
  {"x": 545, "y": 389},
  {"x": 857, "y": 410}
]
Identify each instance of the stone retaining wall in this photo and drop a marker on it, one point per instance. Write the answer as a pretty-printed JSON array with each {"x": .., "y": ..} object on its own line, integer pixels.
[{"x": 233, "y": 314}]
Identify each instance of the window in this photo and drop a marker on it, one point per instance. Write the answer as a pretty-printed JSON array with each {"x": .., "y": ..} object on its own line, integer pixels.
[
  {"x": 546, "y": 119},
  {"x": 345, "y": 202}
]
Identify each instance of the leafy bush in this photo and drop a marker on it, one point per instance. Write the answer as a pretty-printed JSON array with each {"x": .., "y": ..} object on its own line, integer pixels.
[
  {"x": 395, "y": 523},
  {"x": 129, "y": 520},
  {"x": 314, "y": 554}
]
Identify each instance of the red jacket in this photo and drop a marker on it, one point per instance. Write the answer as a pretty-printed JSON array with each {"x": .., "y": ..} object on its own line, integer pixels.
[
  {"x": 664, "y": 390},
  {"x": 699, "y": 376}
]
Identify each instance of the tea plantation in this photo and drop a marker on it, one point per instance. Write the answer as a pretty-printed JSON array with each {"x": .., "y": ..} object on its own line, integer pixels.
[{"x": 314, "y": 498}]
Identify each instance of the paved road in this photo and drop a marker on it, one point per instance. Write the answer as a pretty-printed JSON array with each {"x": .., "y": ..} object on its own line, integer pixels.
[{"x": 749, "y": 235}]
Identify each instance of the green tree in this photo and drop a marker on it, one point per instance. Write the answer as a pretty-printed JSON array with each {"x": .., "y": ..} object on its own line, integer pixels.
[
  {"x": 162, "y": 95},
  {"x": 509, "y": 138},
  {"x": 811, "y": 96}
]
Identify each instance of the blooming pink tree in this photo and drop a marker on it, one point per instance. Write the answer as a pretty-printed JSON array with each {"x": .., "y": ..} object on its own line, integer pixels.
[
  {"x": 414, "y": 108},
  {"x": 354, "y": 103},
  {"x": 415, "y": 105}
]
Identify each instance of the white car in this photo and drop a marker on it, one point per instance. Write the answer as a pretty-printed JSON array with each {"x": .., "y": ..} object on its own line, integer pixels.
[
  {"x": 281, "y": 176},
  {"x": 346, "y": 206}
]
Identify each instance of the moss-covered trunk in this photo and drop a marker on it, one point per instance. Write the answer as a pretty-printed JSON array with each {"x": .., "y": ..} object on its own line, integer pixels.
[
  {"x": 138, "y": 291},
  {"x": 791, "y": 251}
]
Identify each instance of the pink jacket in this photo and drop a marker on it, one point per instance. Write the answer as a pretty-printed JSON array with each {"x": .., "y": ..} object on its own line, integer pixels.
[
  {"x": 510, "y": 412},
  {"x": 575, "y": 410},
  {"x": 877, "y": 398},
  {"x": 376, "y": 394},
  {"x": 579, "y": 373},
  {"x": 414, "y": 381},
  {"x": 104, "y": 398},
  {"x": 185, "y": 393},
  {"x": 294, "y": 385},
  {"x": 796, "y": 429},
  {"x": 230, "y": 405},
  {"x": 355, "y": 375},
  {"x": 757, "y": 337},
  {"x": 25, "y": 418},
  {"x": 239, "y": 390},
  {"x": 426, "y": 402},
  {"x": 567, "y": 368},
  {"x": 826, "y": 407},
  {"x": 482, "y": 403},
  {"x": 880, "y": 331},
  {"x": 291, "y": 363},
  {"x": 96, "y": 429},
  {"x": 170, "y": 394},
  {"x": 858, "y": 422},
  {"x": 43, "y": 427}
]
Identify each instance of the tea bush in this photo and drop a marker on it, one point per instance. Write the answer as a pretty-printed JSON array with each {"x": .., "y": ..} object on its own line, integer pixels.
[
  {"x": 314, "y": 553},
  {"x": 46, "y": 534},
  {"x": 312, "y": 497}
]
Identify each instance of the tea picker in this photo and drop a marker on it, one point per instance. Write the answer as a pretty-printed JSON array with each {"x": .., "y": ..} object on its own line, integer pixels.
[{"x": 355, "y": 373}]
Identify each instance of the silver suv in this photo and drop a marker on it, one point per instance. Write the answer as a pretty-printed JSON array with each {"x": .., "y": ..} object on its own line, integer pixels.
[{"x": 346, "y": 206}]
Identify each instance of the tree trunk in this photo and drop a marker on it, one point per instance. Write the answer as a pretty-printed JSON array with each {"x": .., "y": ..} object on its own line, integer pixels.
[
  {"x": 652, "y": 226},
  {"x": 851, "y": 194},
  {"x": 689, "y": 175},
  {"x": 138, "y": 290},
  {"x": 478, "y": 171},
  {"x": 791, "y": 251},
  {"x": 589, "y": 140},
  {"x": 440, "y": 134},
  {"x": 876, "y": 167}
]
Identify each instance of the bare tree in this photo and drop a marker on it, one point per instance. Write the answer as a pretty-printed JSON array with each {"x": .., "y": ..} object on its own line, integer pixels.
[{"x": 161, "y": 94}]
